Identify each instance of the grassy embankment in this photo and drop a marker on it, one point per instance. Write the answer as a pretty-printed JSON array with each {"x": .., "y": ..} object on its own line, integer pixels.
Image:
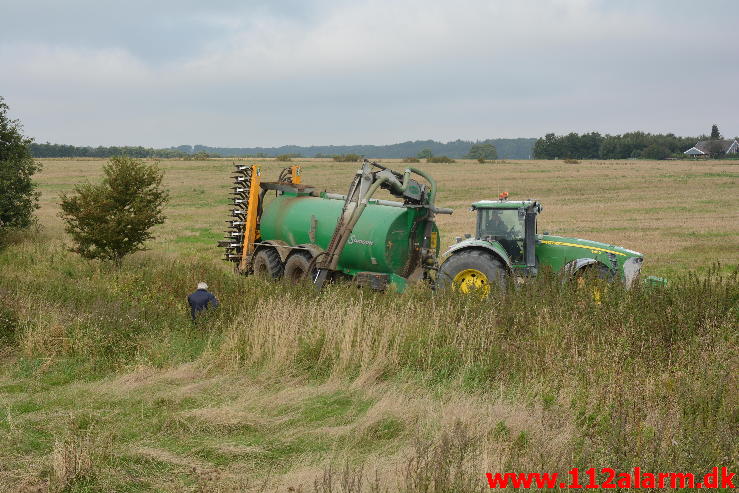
[{"x": 104, "y": 384}]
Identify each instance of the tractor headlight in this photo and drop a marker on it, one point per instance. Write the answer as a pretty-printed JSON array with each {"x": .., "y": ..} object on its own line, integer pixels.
[{"x": 632, "y": 267}]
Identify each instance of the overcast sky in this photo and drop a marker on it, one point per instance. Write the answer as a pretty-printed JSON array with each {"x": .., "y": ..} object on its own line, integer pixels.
[{"x": 267, "y": 73}]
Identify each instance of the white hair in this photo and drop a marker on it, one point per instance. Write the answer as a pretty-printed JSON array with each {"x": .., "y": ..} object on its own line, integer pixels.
[{"x": 202, "y": 285}]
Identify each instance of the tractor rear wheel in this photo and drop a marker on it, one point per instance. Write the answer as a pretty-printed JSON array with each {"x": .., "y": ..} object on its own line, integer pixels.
[
  {"x": 297, "y": 266},
  {"x": 267, "y": 263},
  {"x": 471, "y": 271}
]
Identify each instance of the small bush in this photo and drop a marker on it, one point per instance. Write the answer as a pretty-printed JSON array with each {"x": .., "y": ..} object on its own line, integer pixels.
[
  {"x": 284, "y": 158},
  {"x": 411, "y": 160},
  {"x": 440, "y": 159},
  {"x": 481, "y": 160},
  {"x": 425, "y": 154},
  {"x": 112, "y": 219},
  {"x": 347, "y": 158},
  {"x": 571, "y": 161}
]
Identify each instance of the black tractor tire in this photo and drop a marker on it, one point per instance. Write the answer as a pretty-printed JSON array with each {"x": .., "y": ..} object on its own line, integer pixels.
[
  {"x": 297, "y": 267},
  {"x": 476, "y": 260},
  {"x": 267, "y": 263}
]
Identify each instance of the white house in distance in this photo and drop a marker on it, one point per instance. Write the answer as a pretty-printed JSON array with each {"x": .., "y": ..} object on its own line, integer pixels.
[{"x": 703, "y": 148}]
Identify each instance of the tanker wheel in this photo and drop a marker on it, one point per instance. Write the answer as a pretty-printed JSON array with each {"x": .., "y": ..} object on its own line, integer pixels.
[
  {"x": 267, "y": 263},
  {"x": 471, "y": 271},
  {"x": 297, "y": 267}
]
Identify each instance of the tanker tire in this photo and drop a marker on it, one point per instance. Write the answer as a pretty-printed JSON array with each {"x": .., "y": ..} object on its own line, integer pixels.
[
  {"x": 267, "y": 263},
  {"x": 297, "y": 267},
  {"x": 479, "y": 260}
]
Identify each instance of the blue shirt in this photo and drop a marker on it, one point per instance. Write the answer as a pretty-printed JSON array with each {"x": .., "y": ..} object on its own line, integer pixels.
[{"x": 200, "y": 300}]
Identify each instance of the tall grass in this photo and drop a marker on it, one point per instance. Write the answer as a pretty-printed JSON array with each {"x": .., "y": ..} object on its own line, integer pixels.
[{"x": 645, "y": 377}]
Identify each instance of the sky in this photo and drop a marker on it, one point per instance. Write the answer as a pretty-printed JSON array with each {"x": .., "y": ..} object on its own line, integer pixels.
[{"x": 268, "y": 73}]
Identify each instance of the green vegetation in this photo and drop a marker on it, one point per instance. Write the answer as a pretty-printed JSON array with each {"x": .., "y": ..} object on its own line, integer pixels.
[
  {"x": 440, "y": 159},
  {"x": 18, "y": 195},
  {"x": 109, "y": 381},
  {"x": 105, "y": 384},
  {"x": 483, "y": 151},
  {"x": 113, "y": 219},
  {"x": 347, "y": 158},
  {"x": 507, "y": 148},
  {"x": 425, "y": 153},
  {"x": 597, "y": 146}
]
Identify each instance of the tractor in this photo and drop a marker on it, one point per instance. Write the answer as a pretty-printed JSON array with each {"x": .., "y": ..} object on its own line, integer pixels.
[
  {"x": 304, "y": 233},
  {"x": 507, "y": 245}
]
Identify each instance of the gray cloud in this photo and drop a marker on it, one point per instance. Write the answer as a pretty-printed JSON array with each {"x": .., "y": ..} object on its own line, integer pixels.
[{"x": 271, "y": 73}]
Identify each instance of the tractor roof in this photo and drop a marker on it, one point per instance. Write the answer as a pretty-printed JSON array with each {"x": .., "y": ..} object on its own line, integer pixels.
[{"x": 503, "y": 204}]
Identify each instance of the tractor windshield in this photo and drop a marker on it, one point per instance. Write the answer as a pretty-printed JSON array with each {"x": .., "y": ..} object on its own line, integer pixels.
[
  {"x": 501, "y": 223},
  {"x": 506, "y": 226}
]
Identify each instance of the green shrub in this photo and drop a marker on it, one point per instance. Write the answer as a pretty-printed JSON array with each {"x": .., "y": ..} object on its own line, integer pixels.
[
  {"x": 440, "y": 159},
  {"x": 483, "y": 150},
  {"x": 411, "y": 160},
  {"x": 571, "y": 161},
  {"x": 425, "y": 154},
  {"x": 283, "y": 158},
  {"x": 113, "y": 219}
]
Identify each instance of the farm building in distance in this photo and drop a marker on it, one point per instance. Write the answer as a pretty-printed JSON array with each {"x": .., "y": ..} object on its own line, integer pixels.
[{"x": 708, "y": 147}]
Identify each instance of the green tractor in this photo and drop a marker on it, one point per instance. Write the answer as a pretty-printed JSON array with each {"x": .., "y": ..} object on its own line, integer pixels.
[{"x": 507, "y": 244}]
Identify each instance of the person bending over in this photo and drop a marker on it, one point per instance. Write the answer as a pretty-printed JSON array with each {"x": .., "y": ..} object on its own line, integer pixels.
[{"x": 201, "y": 300}]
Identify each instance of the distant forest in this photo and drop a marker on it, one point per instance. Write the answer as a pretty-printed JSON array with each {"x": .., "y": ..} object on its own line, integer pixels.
[
  {"x": 591, "y": 145},
  {"x": 627, "y": 146},
  {"x": 507, "y": 149}
]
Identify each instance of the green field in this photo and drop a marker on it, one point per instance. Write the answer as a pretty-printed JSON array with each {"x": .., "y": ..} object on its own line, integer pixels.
[{"x": 106, "y": 386}]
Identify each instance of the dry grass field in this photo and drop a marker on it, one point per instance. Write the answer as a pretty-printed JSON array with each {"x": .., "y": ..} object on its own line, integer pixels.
[
  {"x": 105, "y": 385},
  {"x": 683, "y": 215}
]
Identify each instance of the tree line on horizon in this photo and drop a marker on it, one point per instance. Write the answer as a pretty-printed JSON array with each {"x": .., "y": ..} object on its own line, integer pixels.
[
  {"x": 630, "y": 145},
  {"x": 505, "y": 148}
]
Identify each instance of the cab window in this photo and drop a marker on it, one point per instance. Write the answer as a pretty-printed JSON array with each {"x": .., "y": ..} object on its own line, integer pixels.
[{"x": 501, "y": 223}]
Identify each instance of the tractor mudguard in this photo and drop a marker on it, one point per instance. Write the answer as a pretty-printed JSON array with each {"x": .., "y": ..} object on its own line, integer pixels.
[
  {"x": 492, "y": 247},
  {"x": 572, "y": 267}
]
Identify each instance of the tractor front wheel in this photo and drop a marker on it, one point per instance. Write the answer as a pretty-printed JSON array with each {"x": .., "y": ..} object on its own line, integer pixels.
[{"x": 471, "y": 271}]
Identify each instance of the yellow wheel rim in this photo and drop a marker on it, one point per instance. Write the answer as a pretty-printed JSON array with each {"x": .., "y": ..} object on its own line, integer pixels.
[
  {"x": 594, "y": 286},
  {"x": 472, "y": 280}
]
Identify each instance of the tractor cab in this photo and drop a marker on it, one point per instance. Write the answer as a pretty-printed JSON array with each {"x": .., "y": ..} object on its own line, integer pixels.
[{"x": 512, "y": 224}]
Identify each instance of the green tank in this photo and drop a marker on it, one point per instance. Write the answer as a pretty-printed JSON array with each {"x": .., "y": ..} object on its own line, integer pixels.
[{"x": 386, "y": 239}]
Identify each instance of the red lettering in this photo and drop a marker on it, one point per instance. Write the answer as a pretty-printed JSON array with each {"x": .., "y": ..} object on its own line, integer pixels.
[
  {"x": 499, "y": 480},
  {"x": 682, "y": 476},
  {"x": 662, "y": 477},
  {"x": 647, "y": 480},
  {"x": 624, "y": 480},
  {"x": 608, "y": 483},
  {"x": 591, "y": 476},
  {"x": 726, "y": 481},
  {"x": 710, "y": 480},
  {"x": 575, "y": 474}
]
